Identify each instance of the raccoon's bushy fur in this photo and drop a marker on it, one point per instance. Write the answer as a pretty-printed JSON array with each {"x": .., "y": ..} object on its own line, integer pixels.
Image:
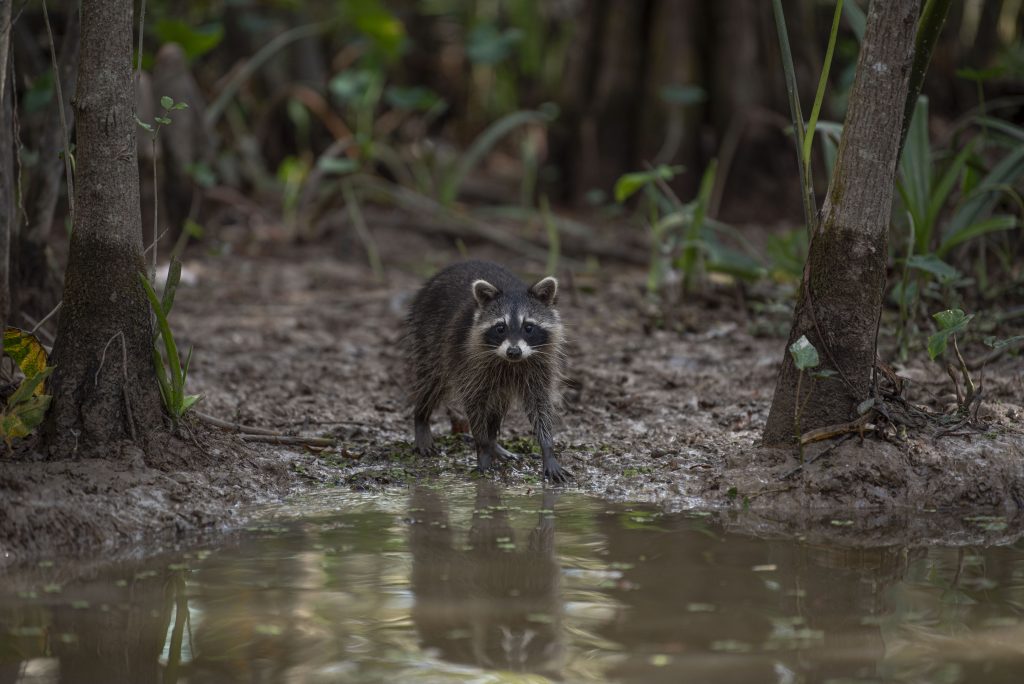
[{"x": 480, "y": 339}]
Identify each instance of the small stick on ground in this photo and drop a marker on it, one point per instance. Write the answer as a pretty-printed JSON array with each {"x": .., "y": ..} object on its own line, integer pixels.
[
  {"x": 236, "y": 427},
  {"x": 290, "y": 439},
  {"x": 256, "y": 434},
  {"x": 825, "y": 452}
]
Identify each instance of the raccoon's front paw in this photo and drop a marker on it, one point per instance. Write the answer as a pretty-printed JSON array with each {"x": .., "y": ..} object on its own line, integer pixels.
[
  {"x": 425, "y": 447},
  {"x": 484, "y": 461},
  {"x": 553, "y": 471}
]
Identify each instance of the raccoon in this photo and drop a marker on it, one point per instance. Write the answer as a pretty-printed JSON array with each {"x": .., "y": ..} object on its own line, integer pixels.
[{"x": 479, "y": 338}]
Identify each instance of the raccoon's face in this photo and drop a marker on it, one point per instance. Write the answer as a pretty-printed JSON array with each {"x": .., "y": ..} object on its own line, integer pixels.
[{"x": 515, "y": 327}]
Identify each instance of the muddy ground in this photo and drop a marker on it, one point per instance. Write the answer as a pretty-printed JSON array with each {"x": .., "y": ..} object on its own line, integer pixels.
[{"x": 305, "y": 341}]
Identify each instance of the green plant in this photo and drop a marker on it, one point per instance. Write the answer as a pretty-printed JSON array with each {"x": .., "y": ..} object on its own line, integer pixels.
[
  {"x": 929, "y": 183},
  {"x": 684, "y": 241},
  {"x": 805, "y": 358},
  {"x": 951, "y": 322},
  {"x": 170, "y": 373},
  {"x": 167, "y": 106},
  {"x": 27, "y": 405}
]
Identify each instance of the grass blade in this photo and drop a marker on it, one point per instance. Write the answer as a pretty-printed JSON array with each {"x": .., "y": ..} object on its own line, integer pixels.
[
  {"x": 482, "y": 145},
  {"x": 806, "y": 184},
  {"x": 819, "y": 96}
]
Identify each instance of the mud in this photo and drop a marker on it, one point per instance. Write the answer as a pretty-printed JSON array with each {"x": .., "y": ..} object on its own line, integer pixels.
[{"x": 304, "y": 340}]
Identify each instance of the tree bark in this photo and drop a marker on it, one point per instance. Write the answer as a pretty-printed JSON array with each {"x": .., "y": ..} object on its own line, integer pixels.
[
  {"x": 104, "y": 388},
  {"x": 7, "y": 213},
  {"x": 841, "y": 293},
  {"x": 7, "y": 202}
]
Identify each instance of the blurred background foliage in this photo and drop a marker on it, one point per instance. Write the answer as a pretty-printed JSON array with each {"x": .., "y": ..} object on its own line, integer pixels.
[{"x": 653, "y": 132}]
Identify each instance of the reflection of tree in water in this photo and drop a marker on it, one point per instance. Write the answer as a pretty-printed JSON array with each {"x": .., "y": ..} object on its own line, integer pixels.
[{"x": 488, "y": 602}]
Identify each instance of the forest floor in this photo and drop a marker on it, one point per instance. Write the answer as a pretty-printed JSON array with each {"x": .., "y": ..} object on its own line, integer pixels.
[{"x": 305, "y": 341}]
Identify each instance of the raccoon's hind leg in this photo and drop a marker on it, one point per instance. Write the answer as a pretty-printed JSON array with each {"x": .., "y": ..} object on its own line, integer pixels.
[{"x": 427, "y": 396}]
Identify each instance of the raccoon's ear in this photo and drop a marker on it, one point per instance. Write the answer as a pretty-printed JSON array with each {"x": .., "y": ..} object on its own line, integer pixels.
[
  {"x": 546, "y": 290},
  {"x": 484, "y": 292}
]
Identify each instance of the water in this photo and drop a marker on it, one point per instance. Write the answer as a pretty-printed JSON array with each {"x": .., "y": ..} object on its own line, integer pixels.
[{"x": 472, "y": 584}]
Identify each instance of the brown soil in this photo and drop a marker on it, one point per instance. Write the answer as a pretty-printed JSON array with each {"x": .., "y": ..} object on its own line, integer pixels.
[{"x": 302, "y": 339}]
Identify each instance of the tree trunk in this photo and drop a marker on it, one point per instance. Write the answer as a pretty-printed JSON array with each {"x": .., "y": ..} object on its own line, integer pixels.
[
  {"x": 841, "y": 294},
  {"x": 7, "y": 213},
  {"x": 104, "y": 388}
]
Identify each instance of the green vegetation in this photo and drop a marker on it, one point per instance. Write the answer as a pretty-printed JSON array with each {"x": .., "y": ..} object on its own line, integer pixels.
[
  {"x": 170, "y": 371},
  {"x": 27, "y": 405}
]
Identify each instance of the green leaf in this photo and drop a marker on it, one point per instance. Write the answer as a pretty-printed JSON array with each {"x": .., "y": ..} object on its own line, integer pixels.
[
  {"x": 856, "y": 19},
  {"x": 995, "y": 343},
  {"x": 951, "y": 321},
  {"x": 351, "y": 86},
  {"x": 166, "y": 102},
  {"x": 189, "y": 401},
  {"x": 487, "y": 44},
  {"x": 930, "y": 263},
  {"x": 804, "y": 354},
  {"x": 980, "y": 75},
  {"x": 25, "y": 416},
  {"x": 989, "y": 225},
  {"x": 162, "y": 120},
  {"x": 28, "y": 387},
  {"x": 179, "y": 105},
  {"x": 916, "y": 173},
  {"x": 628, "y": 184},
  {"x": 171, "y": 286},
  {"x": 819, "y": 96},
  {"x": 27, "y": 351},
  {"x": 174, "y": 385},
  {"x": 373, "y": 19},
  {"x": 144, "y": 125},
  {"x": 983, "y": 200},
  {"x": 196, "y": 42},
  {"x": 193, "y": 229}
]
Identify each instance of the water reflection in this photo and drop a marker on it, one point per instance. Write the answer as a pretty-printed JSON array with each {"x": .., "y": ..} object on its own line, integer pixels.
[
  {"x": 481, "y": 598},
  {"x": 478, "y": 584}
]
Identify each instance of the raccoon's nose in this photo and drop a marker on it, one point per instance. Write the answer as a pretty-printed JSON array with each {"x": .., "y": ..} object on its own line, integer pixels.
[{"x": 514, "y": 353}]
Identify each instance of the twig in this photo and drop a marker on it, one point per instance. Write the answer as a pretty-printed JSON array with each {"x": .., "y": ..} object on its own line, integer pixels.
[
  {"x": 830, "y": 431},
  {"x": 236, "y": 427},
  {"x": 824, "y": 452},
  {"x": 289, "y": 439},
  {"x": 153, "y": 246},
  {"x": 63, "y": 117},
  {"x": 46, "y": 317}
]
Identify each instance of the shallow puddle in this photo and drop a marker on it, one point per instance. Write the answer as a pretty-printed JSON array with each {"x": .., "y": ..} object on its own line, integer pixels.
[{"x": 474, "y": 584}]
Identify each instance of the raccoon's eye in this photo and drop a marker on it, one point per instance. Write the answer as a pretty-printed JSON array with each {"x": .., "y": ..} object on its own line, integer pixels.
[
  {"x": 528, "y": 328},
  {"x": 500, "y": 328}
]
